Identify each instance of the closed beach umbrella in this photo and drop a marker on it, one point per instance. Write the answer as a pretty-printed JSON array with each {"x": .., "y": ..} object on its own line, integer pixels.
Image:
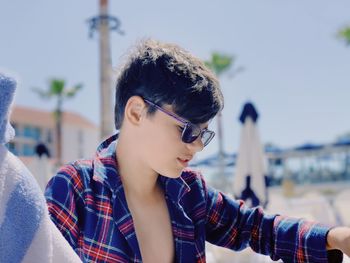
[{"x": 250, "y": 175}]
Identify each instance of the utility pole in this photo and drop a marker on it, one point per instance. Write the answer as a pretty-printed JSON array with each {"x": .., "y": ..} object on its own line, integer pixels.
[{"x": 104, "y": 23}]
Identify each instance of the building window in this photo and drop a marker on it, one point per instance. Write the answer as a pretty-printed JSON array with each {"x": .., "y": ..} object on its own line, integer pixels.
[
  {"x": 32, "y": 132},
  {"x": 27, "y": 131},
  {"x": 28, "y": 150}
]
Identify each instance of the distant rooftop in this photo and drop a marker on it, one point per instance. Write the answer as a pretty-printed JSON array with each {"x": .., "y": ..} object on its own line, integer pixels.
[{"x": 44, "y": 118}]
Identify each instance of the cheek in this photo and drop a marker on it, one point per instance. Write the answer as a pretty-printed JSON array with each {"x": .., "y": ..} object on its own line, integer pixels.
[
  {"x": 160, "y": 148},
  {"x": 162, "y": 136},
  {"x": 156, "y": 138},
  {"x": 154, "y": 143}
]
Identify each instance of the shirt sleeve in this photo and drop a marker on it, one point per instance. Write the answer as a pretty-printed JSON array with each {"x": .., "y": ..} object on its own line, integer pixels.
[
  {"x": 62, "y": 197},
  {"x": 231, "y": 224}
]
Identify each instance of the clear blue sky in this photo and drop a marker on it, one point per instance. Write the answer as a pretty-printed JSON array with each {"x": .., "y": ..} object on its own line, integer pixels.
[{"x": 296, "y": 71}]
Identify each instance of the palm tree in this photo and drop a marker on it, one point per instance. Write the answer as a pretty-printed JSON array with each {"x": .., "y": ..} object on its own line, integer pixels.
[
  {"x": 344, "y": 34},
  {"x": 220, "y": 63},
  {"x": 106, "y": 117},
  {"x": 57, "y": 88}
]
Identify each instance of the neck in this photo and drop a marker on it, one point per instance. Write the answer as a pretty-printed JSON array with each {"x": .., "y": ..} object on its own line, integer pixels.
[{"x": 138, "y": 180}]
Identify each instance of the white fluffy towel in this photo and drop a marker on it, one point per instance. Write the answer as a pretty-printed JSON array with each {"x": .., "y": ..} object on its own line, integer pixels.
[{"x": 26, "y": 232}]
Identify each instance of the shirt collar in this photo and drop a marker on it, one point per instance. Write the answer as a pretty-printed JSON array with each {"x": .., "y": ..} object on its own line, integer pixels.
[
  {"x": 175, "y": 188},
  {"x": 105, "y": 164},
  {"x": 106, "y": 172}
]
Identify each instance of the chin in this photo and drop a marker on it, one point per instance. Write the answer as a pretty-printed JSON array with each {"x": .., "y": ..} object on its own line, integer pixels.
[{"x": 172, "y": 174}]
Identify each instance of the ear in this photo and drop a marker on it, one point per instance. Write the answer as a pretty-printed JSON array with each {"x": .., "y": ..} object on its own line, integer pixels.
[{"x": 134, "y": 109}]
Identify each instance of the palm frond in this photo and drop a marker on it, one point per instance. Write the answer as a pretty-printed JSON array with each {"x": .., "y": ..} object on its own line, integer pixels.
[
  {"x": 69, "y": 93},
  {"x": 44, "y": 94},
  {"x": 57, "y": 86},
  {"x": 345, "y": 35},
  {"x": 219, "y": 62}
]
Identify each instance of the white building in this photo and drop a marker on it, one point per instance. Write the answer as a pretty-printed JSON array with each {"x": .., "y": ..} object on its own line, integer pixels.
[{"x": 80, "y": 137}]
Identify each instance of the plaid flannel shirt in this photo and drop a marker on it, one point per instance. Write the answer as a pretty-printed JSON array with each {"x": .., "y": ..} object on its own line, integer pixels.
[{"x": 86, "y": 201}]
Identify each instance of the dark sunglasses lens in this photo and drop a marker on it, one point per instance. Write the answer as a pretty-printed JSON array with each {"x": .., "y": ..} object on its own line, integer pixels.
[{"x": 190, "y": 133}]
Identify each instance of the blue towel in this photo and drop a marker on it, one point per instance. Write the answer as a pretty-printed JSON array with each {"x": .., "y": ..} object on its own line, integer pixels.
[
  {"x": 26, "y": 232},
  {"x": 7, "y": 89}
]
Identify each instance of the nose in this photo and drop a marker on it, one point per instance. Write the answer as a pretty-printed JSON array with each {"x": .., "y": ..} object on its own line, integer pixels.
[{"x": 196, "y": 145}]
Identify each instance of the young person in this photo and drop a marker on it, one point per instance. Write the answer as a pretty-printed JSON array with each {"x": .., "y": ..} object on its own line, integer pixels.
[{"x": 136, "y": 200}]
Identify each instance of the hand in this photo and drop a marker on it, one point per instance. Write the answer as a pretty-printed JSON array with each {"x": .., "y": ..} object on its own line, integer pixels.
[{"x": 339, "y": 238}]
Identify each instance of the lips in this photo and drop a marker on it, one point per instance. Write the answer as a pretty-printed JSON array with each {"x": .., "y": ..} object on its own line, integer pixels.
[{"x": 184, "y": 161}]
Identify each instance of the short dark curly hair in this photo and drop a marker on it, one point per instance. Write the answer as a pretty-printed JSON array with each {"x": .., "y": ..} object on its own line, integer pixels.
[{"x": 167, "y": 74}]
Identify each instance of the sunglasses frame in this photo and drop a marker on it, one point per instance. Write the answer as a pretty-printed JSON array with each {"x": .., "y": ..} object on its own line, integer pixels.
[{"x": 186, "y": 125}]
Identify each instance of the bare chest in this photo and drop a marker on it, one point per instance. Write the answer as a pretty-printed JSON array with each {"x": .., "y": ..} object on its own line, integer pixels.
[{"x": 154, "y": 233}]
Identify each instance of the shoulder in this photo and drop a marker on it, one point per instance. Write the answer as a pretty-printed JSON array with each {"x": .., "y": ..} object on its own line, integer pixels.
[
  {"x": 74, "y": 176},
  {"x": 78, "y": 169}
]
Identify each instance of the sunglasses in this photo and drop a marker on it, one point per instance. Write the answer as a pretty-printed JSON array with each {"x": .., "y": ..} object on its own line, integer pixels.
[{"x": 190, "y": 131}]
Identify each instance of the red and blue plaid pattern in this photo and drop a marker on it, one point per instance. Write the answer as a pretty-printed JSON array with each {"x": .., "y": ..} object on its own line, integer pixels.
[{"x": 86, "y": 201}]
